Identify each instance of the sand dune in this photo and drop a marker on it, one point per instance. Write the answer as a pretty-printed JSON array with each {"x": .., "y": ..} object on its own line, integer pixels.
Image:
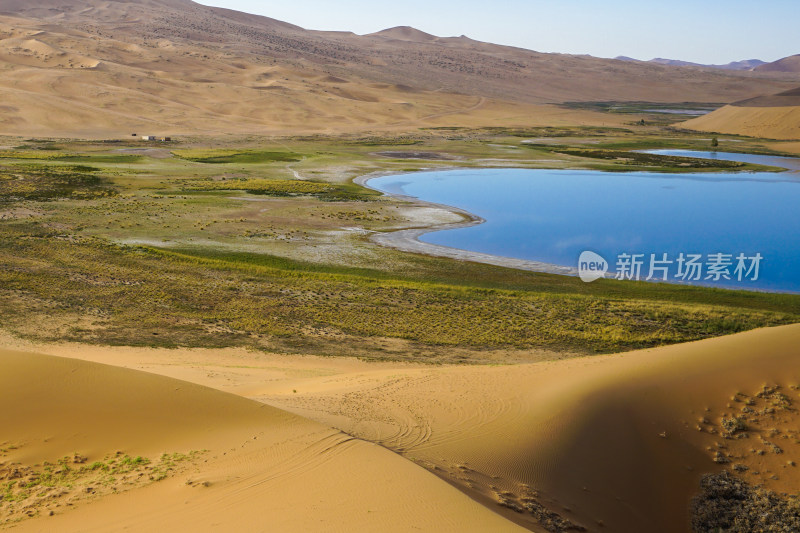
[
  {"x": 774, "y": 117},
  {"x": 766, "y": 122},
  {"x": 610, "y": 443},
  {"x": 256, "y": 469}
]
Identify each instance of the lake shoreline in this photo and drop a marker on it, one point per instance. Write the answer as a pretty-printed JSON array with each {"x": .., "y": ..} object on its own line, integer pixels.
[{"x": 407, "y": 240}]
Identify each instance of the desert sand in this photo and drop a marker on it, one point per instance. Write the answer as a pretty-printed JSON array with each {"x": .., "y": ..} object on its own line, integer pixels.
[
  {"x": 609, "y": 443},
  {"x": 774, "y": 116},
  {"x": 257, "y": 468},
  {"x": 766, "y": 122}
]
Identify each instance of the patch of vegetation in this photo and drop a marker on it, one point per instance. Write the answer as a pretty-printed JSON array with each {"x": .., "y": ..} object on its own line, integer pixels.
[
  {"x": 639, "y": 159},
  {"x": 641, "y": 107},
  {"x": 236, "y": 156},
  {"x": 29, "y": 154},
  {"x": 169, "y": 463},
  {"x": 40, "y": 145},
  {"x": 53, "y": 154},
  {"x": 261, "y": 186},
  {"x": 558, "y": 131},
  {"x": 732, "y": 425},
  {"x": 99, "y": 159},
  {"x": 323, "y": 191},
  {"x": 384, "y": 141},
  {"x": 50, "y": 182},
  {"x": 528, "y": 502},
  {"x": 729, "y": 504},
  {"x": 27, "y": 491}
]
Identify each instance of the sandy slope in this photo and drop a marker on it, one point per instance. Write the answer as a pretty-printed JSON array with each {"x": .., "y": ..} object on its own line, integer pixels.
[
  {"x": 767, "y": 122},
  {"x": 774, "y": 116},
  {"x": 615, "y": 440},
  {"x": 264, "y": 469}
]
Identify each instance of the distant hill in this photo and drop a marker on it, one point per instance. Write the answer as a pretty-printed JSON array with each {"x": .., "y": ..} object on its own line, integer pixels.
[
  {"x": 747, "y": 64},
  {"x": 405, "y": 33},
  {"x": 100, "y": 67},
  {"x": 774, "y": 117},
  {"x": 787, "y": 64}
]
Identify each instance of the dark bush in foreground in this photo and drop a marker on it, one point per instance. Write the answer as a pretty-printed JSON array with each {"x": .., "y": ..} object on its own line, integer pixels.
[{"x": 727, "y": 504}]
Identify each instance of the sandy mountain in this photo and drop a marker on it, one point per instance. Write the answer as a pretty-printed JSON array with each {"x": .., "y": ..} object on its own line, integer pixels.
[
  {"x": 787, "y": 64},
  {"x": 98, "y": 68},
  {"x": 774, "y": 117}
]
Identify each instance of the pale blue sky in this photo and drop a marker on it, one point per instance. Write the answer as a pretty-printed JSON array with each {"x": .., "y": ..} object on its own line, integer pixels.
[{"x": 704, "y": 31}]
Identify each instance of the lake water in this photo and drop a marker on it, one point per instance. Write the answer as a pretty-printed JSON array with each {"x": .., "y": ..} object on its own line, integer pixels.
[{"x": 554, "y": 215}]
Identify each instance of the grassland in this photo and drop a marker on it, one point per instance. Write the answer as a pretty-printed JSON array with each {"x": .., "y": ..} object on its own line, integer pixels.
[
  {"x": 263, "y": 243},
  {"x": 234, "y": 156}
]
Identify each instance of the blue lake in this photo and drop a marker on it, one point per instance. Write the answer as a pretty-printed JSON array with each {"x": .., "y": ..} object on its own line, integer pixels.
[{"x": 554, "y": 215}]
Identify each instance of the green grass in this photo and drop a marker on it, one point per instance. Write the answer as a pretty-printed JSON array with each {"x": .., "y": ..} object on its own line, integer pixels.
[
  {"x": 99, "y": 159},
  {"x": 53, "y": 154},
  {"x": 236, "y": 156},
  {"x": 147, "y": 296},
  {"x": 261, "y": 186},
  {"x": 27, "y": 182},
  {"x": 620, "y": 157},
  {"x": 277, "y": 187},
  {"x": 638, "y": 159}
]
